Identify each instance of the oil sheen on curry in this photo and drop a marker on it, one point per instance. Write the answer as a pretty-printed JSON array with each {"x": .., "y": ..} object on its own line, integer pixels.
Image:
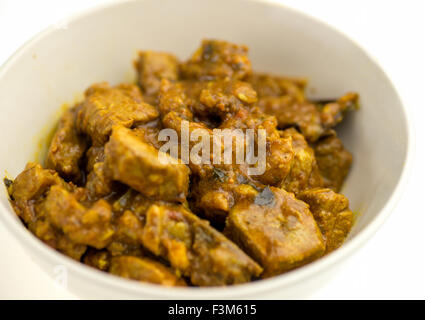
[{"x": 102, "y": 197}]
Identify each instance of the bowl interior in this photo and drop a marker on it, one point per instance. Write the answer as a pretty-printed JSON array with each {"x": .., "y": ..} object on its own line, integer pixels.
[{"x": 100, "y": 45}]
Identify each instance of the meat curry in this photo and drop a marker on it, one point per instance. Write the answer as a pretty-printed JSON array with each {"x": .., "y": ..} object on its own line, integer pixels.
[{"x": 103, "y": 198}]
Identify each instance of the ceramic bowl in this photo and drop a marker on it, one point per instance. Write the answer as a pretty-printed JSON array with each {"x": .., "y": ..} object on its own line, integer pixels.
[{"x": 99, "y": 45}]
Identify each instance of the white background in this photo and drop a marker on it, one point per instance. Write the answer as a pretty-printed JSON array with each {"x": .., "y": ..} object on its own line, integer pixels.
[{"x": 392, "y": 263}]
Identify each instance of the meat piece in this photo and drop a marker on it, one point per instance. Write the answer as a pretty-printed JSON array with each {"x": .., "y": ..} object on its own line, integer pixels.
[
  {"x": 98, "y": 183},
  {"x": 332, "y": 113},
  {"x": 289, "y": 112},
  {"x": 279, "y": 151},
  {"x": 30, "y": 185},
  {"x": 134, "y": 202},
  {"x": 214, "y": 186},
  {"x": 130, "y": 90},
  {"x": 217, "y": 59},
  {"x": 211, "y": 202},
  {"x": 304, "y": 173},
  {"x": 43, "y": 229},
  {"x": 219, "y": 98},
  {"x": 67, "y": 148},
  {"x": 28, "y": 193},
  {"x": 137, "y": 164},
  {"x": 33, "y": 182},
  {"x": 285, "y": 99},
  {"x": 151, "y": 68},
  {"x": 174, "y": 121},
  {"x": 145, "y": 270},
  {"x": 213, "y": 196},
  {"x": 104, "y": 107},
  {"x": 223, "y": 98},
  {"x": 215, "y": 191},
  {"x": 194, "y": 248},
  {"x": 272, "y": 86},
  {"x": 333, "y": 160},
  {"x": 279, "y": 157},
  {"x": 94, "y": 154},
  {"x": 277, "y": 230},
  {"x": 177, "y": 97},
  {"x": 332, "y": 214},
  {"x": 83, "y": 226},
  {"x": 128, "y": 236},
  {"x": 129, "y": 228},
  {"x": 252, "y": 118},
  {"x": 149, "y": 133},
  {"x": 99, "y": 259}
]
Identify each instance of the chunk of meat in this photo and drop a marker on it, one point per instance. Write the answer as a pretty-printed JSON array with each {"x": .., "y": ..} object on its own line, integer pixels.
[
  {"x": 218, "y": 59},
  {"x": 94, "y": 155},
  {"x": 130, "y": 90},
  {"x": 272, "y": 86},
  {"x": 98, "y": 183},
  {"x": 333, "y": 160},
  {"x": 213, "y": 99},
  {"x": 207, "y": 100},
  {"x": 229, "y": 99},
  {"x": 279, "y": 150},
  {"x": 145, "y": 270},
  {"x": 174, "y": 97},
  {"x": 99, "y": 259},
  {"x": 134, "y": 202},
  {"x": 176, "y": 122},
  {"x": 30, "y": 185},
  {"x": 280, "y": 155},
  {"x": 332, "y": 113},
  {"x": 83, "y": 226},
  {"x": 28, "y": 193},
  {"x": 213, "y": 196},
  {"x": 285, "y": 99},
  {"x": 149, "y": 133},
  {"x": 33, "y": 182},
  {"x": 211, "y": 201},
  {"x": 217, "y": 186},
  {"x": 129, "y": 228},
  {"x": 194, "y": 248},
  {"x": 304, "y": 173},
  {"x": 43, "y": 229},
  {"x": 223, "y": 98},
  {"x": 252, "y": 118},
  {"x": 277, "y": 230},
  {"x": 139, "y": 165},
  {"x": 332, "y": 214},
  {"x": 128, "y": 236},
  {"x": 67, "y": 148},
  {"x": 151, "y": 68},
  {"x": 104, "y": 107},
  {"x": 305, "y": 115}
]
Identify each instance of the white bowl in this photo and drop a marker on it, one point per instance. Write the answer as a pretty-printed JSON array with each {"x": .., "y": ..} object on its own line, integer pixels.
[{"x": 100, "y": 44}]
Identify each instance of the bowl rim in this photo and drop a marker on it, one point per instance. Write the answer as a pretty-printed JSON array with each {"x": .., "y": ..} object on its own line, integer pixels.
[{"x": 29, "y": 241}]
